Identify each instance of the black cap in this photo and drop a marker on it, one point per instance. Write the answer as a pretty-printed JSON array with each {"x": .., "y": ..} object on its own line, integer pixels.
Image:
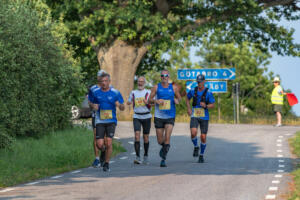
[{"x": 200, "y": 78}]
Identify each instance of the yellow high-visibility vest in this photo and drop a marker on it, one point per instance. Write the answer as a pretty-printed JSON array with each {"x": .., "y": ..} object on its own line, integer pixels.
[{"x": 276, "y": 97}]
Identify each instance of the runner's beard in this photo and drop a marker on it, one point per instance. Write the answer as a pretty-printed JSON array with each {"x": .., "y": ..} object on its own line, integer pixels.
[{"x": 140, "y": 87}]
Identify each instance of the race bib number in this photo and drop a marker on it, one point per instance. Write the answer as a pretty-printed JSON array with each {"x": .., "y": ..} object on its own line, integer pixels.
[
  {"x": 139, "y": 102},
  {"x": 106, "y": 114},
  {"x": 166, "y": 105},
  {"x": 199, "y": 112}
]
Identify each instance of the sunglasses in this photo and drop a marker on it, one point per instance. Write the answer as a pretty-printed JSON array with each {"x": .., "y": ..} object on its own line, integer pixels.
[{"x": 164, "y": 75}]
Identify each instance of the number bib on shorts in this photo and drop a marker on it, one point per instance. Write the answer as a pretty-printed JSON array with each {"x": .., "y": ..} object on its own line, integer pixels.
[
  {"x": 139, "y": 102},
  {"x": 199, "y": 112},
  {"x": 165, "y": 106},
  {"x": 106, "y": 114}
]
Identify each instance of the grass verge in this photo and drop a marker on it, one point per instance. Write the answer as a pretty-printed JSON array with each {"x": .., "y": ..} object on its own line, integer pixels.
[
  {"x": 295, "y": 143},
  {"x": 54, "y": 153}
]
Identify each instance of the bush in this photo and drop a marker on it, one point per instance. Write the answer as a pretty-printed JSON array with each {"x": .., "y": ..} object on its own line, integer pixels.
[
  {"x": 5, "y": 139},
  {"x": 39, "y": 83}
]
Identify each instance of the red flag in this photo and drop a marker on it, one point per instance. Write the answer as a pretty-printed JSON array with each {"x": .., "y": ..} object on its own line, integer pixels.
[{"x": 292, "y": 99}]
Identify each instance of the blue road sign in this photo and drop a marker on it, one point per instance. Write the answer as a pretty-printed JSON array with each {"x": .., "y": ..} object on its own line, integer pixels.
[
  {"x": 213, "y": 86},
  {"x": 209, "y": 73}
]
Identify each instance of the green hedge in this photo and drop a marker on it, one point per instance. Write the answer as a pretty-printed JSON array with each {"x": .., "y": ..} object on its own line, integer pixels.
[{"x": 38, "y": 81}]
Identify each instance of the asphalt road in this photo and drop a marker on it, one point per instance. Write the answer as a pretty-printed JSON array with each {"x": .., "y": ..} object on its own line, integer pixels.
[{"x": 242, "y": 162}]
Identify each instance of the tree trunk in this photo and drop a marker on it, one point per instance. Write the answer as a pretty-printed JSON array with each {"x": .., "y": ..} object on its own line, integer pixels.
[{"x": 121, "y": 60}]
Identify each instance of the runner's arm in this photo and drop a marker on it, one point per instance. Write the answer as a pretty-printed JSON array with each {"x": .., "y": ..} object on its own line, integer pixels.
[
  {"x": 152, "y": 95},
  {"x": 177, "y": 94},
  {"x": 211, "y": 102},
  {"x": 120, "y": 102},
  {"x": 188, "y": 105},
  {"x": 129, "y": 101}
]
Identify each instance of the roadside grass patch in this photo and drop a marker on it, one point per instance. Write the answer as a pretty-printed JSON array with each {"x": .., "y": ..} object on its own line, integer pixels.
[
  {"x": 57, "y": 152},
  {"x": 295, "y": 143}
]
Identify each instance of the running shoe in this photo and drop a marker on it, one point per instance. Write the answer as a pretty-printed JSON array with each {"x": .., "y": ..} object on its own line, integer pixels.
[
  {"x": 106, "y": 167},
  {"x": 201, "y": 159},
  {"x": 196, "y": 152},
  {"x": 137, "y": 160},
  {"x": 163, "y": 163},
  {"x": 96, "y": 163}
]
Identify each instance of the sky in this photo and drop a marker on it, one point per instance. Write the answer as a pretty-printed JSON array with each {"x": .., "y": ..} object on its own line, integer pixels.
[{"x": 287, "y": 67}]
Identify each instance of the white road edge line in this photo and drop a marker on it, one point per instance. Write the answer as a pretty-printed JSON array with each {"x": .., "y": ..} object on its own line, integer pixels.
[
  {"x": 112, "y": 161},
  {"x": 116, "y": 138},
  {"x": 273, "y": 188},
  {"x": 33, "y": 183},
  {"x": 130, "y": 142},
  {"x": 279, "y": 145},
  {"x": 281, "y": 165},
  {"x": 279, "y": 156},
  {"x": 270, "y": 196},
  {"x": 279, "y": 151},
  {"x": 280, "y": 136},
  {"x": 278, "y": 176},
  {"x": 276, "y": 181},
  {"x": 280, "y": 160},
  {"x": 54, "y": 177},
  {"x": 75, "y": 172},
  {"x": 124, "y": 157},
  {"x": 6, "y": 190},
  {"x": 279, "y": 140},
  {"x": 133, "y": 153},
  {"x": 280, "y": 171}
]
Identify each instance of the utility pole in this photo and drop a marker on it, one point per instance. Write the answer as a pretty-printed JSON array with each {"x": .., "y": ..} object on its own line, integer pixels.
[
  {"x": 234, "y": 102},
  {"x": 219, "y": 108},
  {"x": 237, "y": 103}
]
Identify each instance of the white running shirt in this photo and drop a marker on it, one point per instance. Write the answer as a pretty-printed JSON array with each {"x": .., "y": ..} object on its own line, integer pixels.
[{"x": 136, "y": 97}]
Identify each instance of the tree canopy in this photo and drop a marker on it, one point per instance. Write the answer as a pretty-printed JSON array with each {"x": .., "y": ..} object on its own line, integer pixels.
[{"x": 160, "y": 23}]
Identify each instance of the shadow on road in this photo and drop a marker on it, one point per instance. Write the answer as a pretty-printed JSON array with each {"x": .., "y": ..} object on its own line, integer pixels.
[{"x": 222, "y": 157}]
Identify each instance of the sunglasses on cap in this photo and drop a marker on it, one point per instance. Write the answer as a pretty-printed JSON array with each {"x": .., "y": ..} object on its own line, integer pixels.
[{"x": 164, "y": 75}]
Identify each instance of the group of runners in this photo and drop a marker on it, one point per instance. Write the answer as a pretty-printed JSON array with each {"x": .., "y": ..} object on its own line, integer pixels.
[{"x": 104, "y": 99}]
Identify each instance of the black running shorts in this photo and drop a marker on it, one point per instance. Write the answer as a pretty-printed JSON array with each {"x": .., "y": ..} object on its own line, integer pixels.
[
  {"x": 107, "y": 130},
  {"x": 203, "y": 124},
  {"x": 160, "y": 123},
  {"x": 145, "y": 123}
]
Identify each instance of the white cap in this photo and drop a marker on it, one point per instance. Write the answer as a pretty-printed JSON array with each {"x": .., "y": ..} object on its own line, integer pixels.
[
  {"x": 100, "y": 72},
  {"x": 276, "y": 79}
]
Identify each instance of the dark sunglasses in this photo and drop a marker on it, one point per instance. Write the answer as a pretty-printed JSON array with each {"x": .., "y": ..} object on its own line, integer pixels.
[{"x": 164, "y": 75}]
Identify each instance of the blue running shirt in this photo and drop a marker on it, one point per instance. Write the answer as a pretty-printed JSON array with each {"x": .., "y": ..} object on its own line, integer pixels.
[
  {"x": 167, "y": 110},
  {"x": 107, "y": 108},
  {"x": 198, "y": 111}
]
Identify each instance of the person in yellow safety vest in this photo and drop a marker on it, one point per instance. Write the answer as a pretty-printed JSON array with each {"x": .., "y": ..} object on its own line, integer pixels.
[{"x": 277, "y": 100}]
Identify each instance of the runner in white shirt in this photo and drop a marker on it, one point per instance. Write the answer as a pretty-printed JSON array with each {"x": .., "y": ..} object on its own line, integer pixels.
[{"x": 141, "y": 118}]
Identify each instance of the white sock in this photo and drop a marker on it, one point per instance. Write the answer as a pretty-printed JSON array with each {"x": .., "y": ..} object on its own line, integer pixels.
[{"x": 97, "y": 158}]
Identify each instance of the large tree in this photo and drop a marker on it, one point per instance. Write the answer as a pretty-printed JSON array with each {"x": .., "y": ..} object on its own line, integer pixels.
[{"x": 122, "y": 32}]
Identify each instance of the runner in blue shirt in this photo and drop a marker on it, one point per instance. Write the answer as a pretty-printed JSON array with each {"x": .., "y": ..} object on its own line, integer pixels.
[
  {"x": 203, "y": 100},
  {"x": 166, "y": 96},
  {"x": 98, "y": 161},
  {"x": 106, "y": 99}
]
